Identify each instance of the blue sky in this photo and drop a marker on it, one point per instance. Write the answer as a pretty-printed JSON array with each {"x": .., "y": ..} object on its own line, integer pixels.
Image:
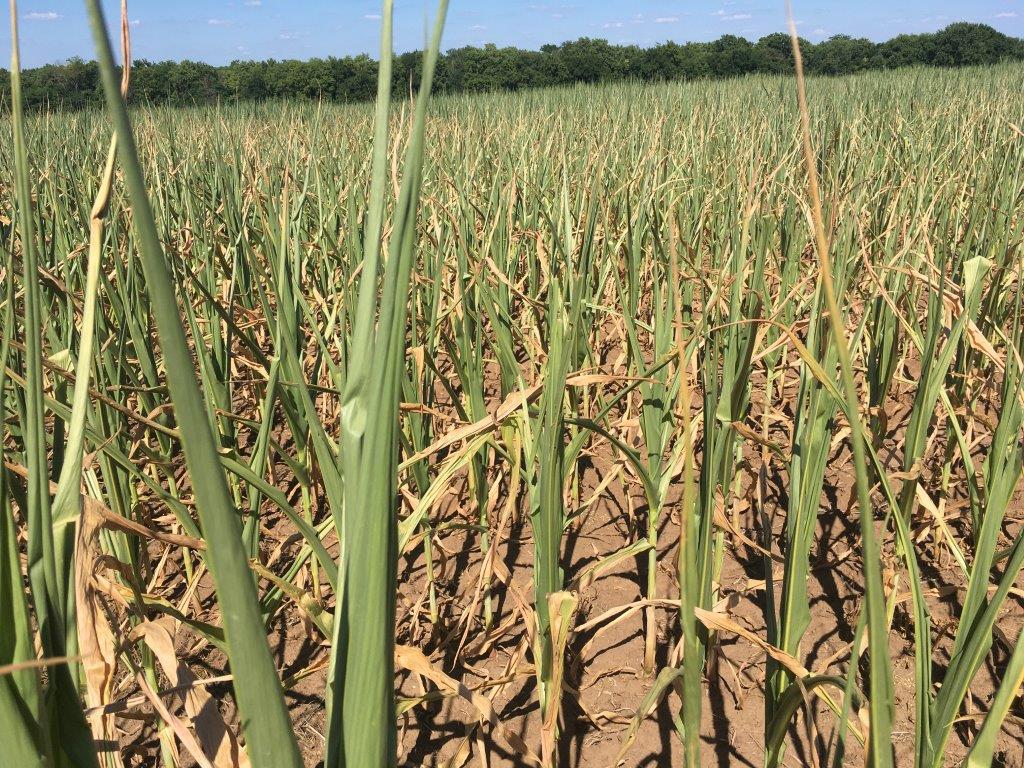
[{"x": 218, "y": 31}]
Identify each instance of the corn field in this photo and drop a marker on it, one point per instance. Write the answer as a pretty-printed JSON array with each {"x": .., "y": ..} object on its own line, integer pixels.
[{"x": 616, "y": 425}]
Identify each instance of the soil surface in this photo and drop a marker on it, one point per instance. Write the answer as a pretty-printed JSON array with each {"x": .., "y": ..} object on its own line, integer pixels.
[{"x": 605, "y": 682}]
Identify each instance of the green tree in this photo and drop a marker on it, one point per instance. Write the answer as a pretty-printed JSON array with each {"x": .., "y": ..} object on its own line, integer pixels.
[
  {"x": 472, "y": 69},
  {"x": 842, "y": 54}
]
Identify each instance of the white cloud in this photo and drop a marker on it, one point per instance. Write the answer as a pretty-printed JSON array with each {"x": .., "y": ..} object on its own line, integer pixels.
[
  {"x": 42, "y": 16},
  {"x": 134, "y": 22},
  {"x": 372, "y": 16},
  {"x": 554, "y": 11},
  {"x": 666, "y": 20},
  {"x": 818, "y": 31},
  {"x": 1006, "y": 15},
  {"x": 253, "y": 3},
  {"x": 218, "y": 22},
  {"x": 478, "y": 28},
  {"x": 612, "y": 24},
  {"x": 732, "y": 16}
]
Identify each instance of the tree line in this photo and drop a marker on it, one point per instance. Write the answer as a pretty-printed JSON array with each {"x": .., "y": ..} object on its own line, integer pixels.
[{"x": 75, "y": 84}]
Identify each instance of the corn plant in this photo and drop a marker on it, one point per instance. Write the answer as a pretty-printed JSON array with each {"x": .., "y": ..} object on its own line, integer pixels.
[{"x": 361, "y": 698}]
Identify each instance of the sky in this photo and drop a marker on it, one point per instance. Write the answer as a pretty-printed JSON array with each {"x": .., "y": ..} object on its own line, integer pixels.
[{"x": 219, "y": 31}]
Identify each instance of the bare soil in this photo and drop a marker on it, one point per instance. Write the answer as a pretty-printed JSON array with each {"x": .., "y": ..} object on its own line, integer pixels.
[{"x": 605, "y": 682}]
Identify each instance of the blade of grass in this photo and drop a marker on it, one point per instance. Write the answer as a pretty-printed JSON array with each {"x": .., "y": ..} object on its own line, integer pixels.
[
  {"x": 880, "y": 678},
  {"x": 265, "y": 721}
]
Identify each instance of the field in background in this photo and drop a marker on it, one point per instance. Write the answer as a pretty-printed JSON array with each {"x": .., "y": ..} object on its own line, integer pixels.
[{"x": 622, "y": 395}]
